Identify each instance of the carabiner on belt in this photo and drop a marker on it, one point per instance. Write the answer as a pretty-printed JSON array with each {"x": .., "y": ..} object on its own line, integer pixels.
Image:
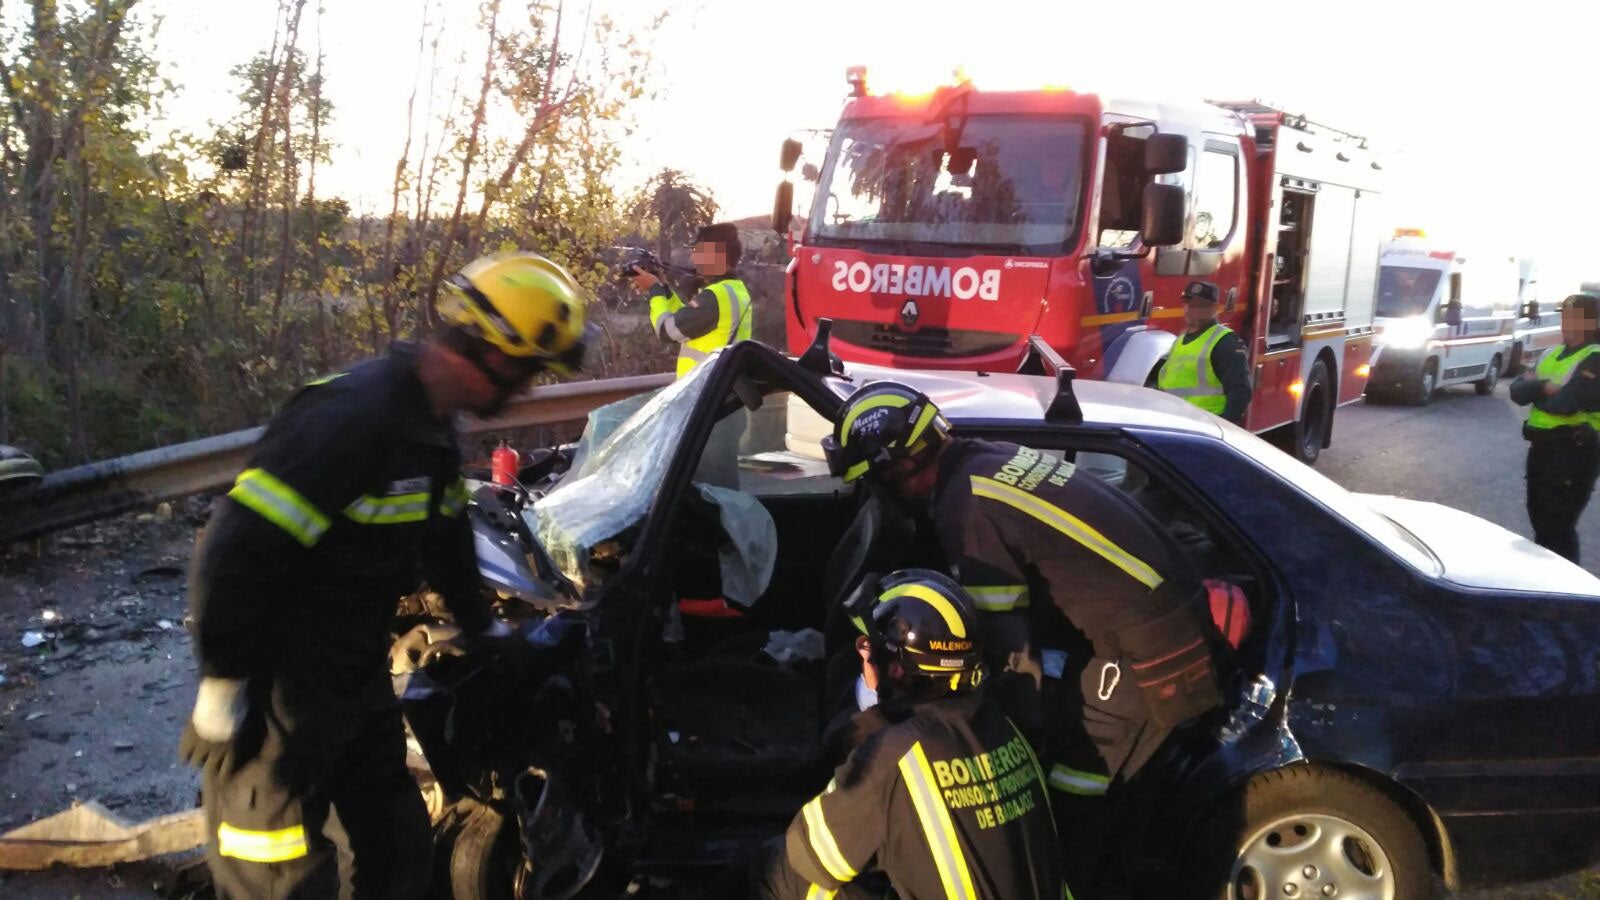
[{"x": 1110, "y": 677}]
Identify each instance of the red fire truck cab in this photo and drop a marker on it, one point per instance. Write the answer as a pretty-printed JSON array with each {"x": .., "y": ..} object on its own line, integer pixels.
[{"x": 948, "y": 228}]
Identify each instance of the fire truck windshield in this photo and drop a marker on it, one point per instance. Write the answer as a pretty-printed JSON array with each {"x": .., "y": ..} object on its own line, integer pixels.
[
  {"x": 1405, "y": 291},
  {"x": 1004, "y": 182}
]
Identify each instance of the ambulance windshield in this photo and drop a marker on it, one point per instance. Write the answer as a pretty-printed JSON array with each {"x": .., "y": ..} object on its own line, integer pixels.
[
  {"x": 1404, "y": 291},
  {"x": 1006, "y": 182}
]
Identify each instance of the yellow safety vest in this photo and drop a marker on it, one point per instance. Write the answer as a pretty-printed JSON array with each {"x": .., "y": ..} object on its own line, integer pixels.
[
  {"x": 734, "y": 320},
  {"x": 1187, "y": 372},
  {"x": 1559, "y": 371}
]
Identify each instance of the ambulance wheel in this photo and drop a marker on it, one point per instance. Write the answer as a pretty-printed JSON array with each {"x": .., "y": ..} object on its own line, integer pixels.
[
  {"x": 1425, "y": 386},
  {"x": 1309, "y": 833},
  {"x": 1316, "y": 416},
  {"x": 1485, "y": 385}
]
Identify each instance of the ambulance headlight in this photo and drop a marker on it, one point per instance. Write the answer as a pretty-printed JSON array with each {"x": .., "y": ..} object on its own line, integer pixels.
[{"x": 1406, "y": 334}]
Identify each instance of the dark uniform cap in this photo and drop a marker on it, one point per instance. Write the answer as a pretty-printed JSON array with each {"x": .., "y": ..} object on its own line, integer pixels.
[{"x": 1201, "y": 290}]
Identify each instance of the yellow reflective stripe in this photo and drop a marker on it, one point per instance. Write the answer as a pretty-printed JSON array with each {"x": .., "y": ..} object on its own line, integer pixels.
[
  {"x": 326, "y": 378},
  {"x": 280, "y": 504},
  {"x": 369, "y": 510},
  {"x": 998, "y": 597},
  {"x": 933, "y": 598},
  {"x": 936, "y": 825},
  {"x": 1069, "y": 525},
  {"x": 261, "y": 846},
  {"x": 856, "y": 471},
  {"x": 455, "y": 499},
  {"x": 1075, "y": 781},
  {"x": 893, "y": 401},
  {"x": 817, "y": 892},
  {"x": 823, "y": 844},
  {"x": 929, "y": 412},
  {"x": 1038, "y": 770}
]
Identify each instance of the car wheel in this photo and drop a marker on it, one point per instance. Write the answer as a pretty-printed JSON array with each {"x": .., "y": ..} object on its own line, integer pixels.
[
  {"x": 1307, "y": 833},
  {"x": 1485, "y": 385},
  {"x": 1316, "y": 415},
  {"x": 1425, "y": 385},
  {"x": 485, "y": 857}
]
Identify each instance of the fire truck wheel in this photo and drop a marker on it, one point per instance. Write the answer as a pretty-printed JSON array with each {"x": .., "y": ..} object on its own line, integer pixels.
[
  {"x": 1316, "y": 416},
  {"x": 1485, "y": 385}
]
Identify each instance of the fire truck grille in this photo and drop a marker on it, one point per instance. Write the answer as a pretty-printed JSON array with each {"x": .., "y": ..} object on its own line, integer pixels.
[{"x": 928, "y": 342}]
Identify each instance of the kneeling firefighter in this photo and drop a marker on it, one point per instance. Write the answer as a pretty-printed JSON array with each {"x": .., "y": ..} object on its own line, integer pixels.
[
  {"x": 944, "y": 797},
  {"x": 351, "y": 499},
  {"x": 1092, "y": 612}
]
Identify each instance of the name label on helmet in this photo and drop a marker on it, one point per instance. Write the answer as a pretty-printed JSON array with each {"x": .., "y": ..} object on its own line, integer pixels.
[
  {"x": 963, "y": 283},
  {"x": 951, "y": 646}
]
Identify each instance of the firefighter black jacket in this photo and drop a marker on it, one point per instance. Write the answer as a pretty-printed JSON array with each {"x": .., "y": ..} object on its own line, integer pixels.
[
  {"x": 1046, "y": 549},
  {"x": 352, "y": 497},
  {"x": 949, "y": 801}
]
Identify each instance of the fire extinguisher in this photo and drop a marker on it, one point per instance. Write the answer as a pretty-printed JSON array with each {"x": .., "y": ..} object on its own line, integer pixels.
[{"x": 504, "y": 463}]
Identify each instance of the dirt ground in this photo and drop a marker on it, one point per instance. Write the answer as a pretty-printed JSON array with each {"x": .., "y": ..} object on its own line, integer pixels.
[{"x": 93, "y": 710}]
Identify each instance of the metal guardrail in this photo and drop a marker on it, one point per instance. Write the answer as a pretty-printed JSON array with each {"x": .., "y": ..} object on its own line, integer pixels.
[{"x": 115, "y": 486}]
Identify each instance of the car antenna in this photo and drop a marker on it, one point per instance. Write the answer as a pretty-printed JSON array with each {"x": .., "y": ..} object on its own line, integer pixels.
[
  {"x": 1042, "y": 359},
  {"x": 818, "y": 358}
]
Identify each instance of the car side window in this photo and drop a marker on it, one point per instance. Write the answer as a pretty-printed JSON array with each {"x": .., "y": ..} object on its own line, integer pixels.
[
  {"x": 1211, "y": 553},
  {"x": 772, "y": 451}
]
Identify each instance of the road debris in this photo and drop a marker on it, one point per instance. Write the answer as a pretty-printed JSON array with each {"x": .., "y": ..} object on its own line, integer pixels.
[{"x": 88, "y": 834}]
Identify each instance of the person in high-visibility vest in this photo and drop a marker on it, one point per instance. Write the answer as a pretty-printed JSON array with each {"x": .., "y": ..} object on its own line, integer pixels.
[
  {"x": 1207, "y": 365},
  {"x": 1563, "y": 445},
  {"x": 716, "y": 316}
]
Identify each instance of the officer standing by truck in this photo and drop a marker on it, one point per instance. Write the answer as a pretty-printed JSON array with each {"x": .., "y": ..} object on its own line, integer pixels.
[
  {"x": 352, "y": 498},
  {"x": 1207, "y": 366},
  {"x": 718, "y": 315},
  {"x": 1563, "y": 392}
]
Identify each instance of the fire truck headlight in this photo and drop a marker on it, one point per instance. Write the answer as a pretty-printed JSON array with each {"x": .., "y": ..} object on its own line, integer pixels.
[{"x": 1403, "y": 334}]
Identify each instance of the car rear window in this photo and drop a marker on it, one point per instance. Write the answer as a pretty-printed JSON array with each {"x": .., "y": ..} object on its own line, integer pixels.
[{"x": 1344, "y": 504}]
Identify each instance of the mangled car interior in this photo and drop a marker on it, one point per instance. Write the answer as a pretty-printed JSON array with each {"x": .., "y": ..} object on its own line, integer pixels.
[{"x": 679, "y": 576}]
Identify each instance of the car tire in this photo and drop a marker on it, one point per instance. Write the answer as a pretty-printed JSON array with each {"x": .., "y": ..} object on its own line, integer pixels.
[
  {"x": 1425, "y": 385},
  {"x": 1294, "y": 831},
  {"x": 1310, "y": 431},
  {"x": 1485, "y": 385},
  {"x": 484, "y": 856}
]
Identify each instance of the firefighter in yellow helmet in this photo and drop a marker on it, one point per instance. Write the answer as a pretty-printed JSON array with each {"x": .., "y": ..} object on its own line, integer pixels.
[{"x": 352, "y": 498}]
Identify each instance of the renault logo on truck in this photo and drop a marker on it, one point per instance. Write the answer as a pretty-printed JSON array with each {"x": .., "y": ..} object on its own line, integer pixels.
[{"x": 963, "y": 283}]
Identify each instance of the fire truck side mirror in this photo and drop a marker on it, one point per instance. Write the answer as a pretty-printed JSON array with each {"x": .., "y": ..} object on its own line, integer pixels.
[
  {"x": 1163, "y": 215},
  {"x": 1165, "y": 154},
  {"x": 783, "y": 207},
  {"x": 790, "y": 155}
]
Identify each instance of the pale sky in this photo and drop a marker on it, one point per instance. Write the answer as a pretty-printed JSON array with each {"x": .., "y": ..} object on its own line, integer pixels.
[{"x": 1490, "y": 120}]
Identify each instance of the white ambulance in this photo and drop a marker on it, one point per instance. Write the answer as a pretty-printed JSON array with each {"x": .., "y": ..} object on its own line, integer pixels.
[{"x": 1442, "y": 318}]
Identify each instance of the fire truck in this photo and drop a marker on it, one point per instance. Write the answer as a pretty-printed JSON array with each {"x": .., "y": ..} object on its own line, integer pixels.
[{"x": 946, "y": 229}]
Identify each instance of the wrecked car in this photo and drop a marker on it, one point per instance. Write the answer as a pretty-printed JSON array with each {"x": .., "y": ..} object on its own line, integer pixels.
[{"x": 1413, "y": 702}]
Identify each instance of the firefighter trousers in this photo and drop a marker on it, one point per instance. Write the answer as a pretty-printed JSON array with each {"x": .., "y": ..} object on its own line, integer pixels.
[
  {"x": 1101, "y": 738},
  {"x": 1561, "y": 476},
  {"x": 321, "y": 811}
]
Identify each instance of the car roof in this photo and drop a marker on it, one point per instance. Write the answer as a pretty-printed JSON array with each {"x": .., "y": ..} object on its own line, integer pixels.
[{"x": 1023, "y": 399}]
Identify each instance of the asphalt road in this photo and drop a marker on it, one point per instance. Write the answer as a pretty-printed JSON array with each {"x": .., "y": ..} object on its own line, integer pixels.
[{"x": 1461, "y": 450}]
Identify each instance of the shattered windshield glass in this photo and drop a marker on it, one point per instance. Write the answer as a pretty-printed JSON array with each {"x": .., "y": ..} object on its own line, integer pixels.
[{"x": 615, "y": 476}]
